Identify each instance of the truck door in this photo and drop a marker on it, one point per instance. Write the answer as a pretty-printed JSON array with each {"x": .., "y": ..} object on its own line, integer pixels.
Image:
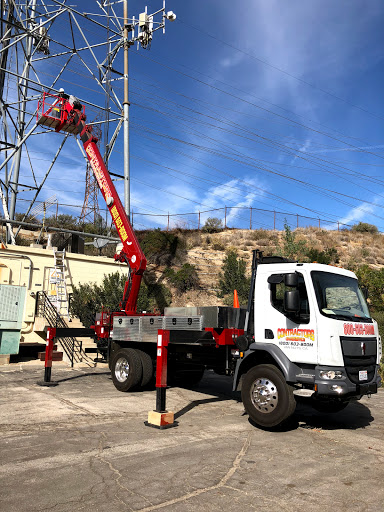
[{"x": 294, "y": 333}]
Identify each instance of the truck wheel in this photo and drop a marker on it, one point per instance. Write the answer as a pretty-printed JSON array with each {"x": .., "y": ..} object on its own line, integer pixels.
[
  {"x": 267, "y": 398},
  {"x": 126, "y": 369},
  {"x": 328, "y": 406},
  {"x": 147, "y": 365}
]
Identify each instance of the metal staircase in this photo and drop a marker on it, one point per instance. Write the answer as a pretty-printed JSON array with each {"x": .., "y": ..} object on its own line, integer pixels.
[{"x": 72, "y": 347}]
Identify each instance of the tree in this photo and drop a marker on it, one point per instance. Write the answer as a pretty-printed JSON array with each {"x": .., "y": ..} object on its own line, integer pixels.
[
  {"x": 292, "y": 248},
  {"x": 233, "y": 278},
  {"x": 153, "y": 296},
  {"x": 373, "y": 280},
  {"x": 160, "y": 247},
  {"x": 364, "y": 227},
  {"x": 62, "y": 221},
  {"x": 90, "y": 298},
  {"x": 212, "y": 225},
  {"x": 29, "y": 218},
  {"x": 184, "y": 279}
]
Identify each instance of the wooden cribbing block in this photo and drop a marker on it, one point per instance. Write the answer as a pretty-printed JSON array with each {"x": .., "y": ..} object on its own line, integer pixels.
[{"x": 161, "y": 419}]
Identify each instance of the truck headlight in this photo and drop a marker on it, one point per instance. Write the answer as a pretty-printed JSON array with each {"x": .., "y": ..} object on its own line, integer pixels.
[{"x": 331, "y": 374}]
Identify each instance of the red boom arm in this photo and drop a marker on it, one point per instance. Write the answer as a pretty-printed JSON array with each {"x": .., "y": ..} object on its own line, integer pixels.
[
  {"x": 132, "y": 252},
  {"x": 73, "y": 121}
]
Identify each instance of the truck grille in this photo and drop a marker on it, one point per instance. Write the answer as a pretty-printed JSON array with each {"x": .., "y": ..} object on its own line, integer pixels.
[{"x": 359, "y": 354}]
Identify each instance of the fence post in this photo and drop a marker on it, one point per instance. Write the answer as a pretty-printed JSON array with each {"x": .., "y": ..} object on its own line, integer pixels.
[
  {"x": 168, "y": 223},
  {"x": 338, "y": 226},
  {"x": 250, "y": 220},
  {"x": 198, "y": 226},
  {"x": 225, "y": 217},
  {"x": 319, "y": 223},
  {"x": 297, "y": 220}
]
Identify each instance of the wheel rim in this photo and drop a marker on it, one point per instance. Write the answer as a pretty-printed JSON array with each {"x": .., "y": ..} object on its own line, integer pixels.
[
  {"x": 264, "y": 395},
  {"x": 122, "y": 369}
]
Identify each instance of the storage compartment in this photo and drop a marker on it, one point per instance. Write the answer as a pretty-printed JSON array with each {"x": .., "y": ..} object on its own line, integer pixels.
[{"x": 218, "y": 317}]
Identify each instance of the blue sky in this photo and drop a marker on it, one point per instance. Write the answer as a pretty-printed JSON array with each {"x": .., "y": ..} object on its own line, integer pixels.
[{"x": 276, "y": 105}]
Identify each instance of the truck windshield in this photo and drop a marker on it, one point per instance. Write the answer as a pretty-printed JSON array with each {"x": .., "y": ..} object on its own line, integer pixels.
[{"x": 340, "y": 297}]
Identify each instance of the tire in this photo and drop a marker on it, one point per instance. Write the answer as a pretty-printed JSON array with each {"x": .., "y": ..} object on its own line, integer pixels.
[
  {"x": 328, "y": 406},
  {"x": 147, "y": 365},
  {"x": 126, "y": 369},
  {"x": 267, "y": 398}
]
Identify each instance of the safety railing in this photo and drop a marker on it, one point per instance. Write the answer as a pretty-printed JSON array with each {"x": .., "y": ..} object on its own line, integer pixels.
[{"x": 45, "y": 309}]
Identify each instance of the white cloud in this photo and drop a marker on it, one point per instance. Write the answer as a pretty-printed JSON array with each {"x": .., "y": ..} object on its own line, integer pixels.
[
  {"x": 301, "y": 149},
  {"x": 356, "y": 149},
  {"x": 232, "y": 60},
  {"x": 358, "y": 213},
  {"x": 230, "y": 194}
]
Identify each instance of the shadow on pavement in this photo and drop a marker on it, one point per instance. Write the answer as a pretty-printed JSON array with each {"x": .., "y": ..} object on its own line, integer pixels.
[
  {"x": 218, "y": 386},
  {"x": 196, "y": 403},
  {"x": 355, "y": 416},
  {"x": 81, "y": 376}
]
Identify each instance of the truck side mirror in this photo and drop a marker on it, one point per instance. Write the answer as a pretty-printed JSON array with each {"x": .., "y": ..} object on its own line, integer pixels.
[
  {"x": 275, "y": 279},
  {"x": 291, "y": 279},
  {"x": 364, "y": 289},
  {"x": 292, "y": 301}
]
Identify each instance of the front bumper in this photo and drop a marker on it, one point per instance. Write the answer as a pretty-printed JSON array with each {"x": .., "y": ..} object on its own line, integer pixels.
[{"x": 344, "y": 388}]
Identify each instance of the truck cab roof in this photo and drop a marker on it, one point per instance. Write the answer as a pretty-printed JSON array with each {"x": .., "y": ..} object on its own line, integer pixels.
[{"x": 267, "y": 267}]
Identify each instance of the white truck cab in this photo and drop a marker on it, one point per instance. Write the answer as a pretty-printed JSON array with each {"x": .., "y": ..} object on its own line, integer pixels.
[{"x": 311, "y": 323}]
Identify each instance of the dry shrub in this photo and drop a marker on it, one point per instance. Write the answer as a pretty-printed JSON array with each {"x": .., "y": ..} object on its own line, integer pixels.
[
  {"x": 192, "y": 240},
  {"x": 263, "y": 234}
]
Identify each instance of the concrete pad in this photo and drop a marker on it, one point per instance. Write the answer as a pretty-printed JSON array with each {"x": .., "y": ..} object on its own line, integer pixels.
[{"x": 83, "y": 446}]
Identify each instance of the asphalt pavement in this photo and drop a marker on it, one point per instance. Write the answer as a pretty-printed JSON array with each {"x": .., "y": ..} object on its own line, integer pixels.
[{"x": 83, "y": 446}]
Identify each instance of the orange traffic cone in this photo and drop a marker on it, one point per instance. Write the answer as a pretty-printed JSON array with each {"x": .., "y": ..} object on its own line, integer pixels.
[{"x": 235, "y": 299}]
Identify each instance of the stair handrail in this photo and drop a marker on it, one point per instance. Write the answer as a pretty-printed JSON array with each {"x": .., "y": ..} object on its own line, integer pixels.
[{"x": 47, "y": 310}]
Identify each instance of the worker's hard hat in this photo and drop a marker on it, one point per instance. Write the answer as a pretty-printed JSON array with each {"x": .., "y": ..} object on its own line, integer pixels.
[{"x": 61, "y": 89}]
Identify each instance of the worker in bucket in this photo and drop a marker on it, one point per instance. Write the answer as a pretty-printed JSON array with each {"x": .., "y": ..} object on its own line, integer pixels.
[{"x": 57, "y": 106}]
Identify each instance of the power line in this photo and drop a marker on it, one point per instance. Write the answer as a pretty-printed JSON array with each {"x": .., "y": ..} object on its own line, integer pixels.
[{"x": 266, "y": 63}]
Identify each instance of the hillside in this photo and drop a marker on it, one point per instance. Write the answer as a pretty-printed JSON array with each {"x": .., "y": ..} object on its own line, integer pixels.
[{"x": 207, "y": 251}]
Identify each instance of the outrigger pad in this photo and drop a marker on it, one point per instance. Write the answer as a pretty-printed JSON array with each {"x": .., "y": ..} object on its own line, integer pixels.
[{"x": 161, "y": 420}]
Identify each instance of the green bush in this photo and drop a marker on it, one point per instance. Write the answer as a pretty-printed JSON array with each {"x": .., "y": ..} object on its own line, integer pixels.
[
  {"x": 184, "y": 279},
  {"x": 29, "y": 218},
  {"x": 161, "y": 247},
  {"x": 373, "y": 280},
  {"x": 62, "y": 221},
  {"x": 212, "y": 225},
  {"x": 153, "y": 296},
  {"x": 233, "y": 278},
  {"x": 292, "y": 248},
  {"x": 327, "y": 257},
  {"x": 90, "y": 298},
  {"x": 364, "y": 227},
  {"x": 218, "y": 246}
]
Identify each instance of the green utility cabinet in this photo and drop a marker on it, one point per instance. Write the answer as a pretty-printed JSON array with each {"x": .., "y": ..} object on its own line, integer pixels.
[{"x": 12, "y": 300}]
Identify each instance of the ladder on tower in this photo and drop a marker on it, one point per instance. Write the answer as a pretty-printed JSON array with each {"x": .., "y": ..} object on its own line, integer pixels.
[{"x": 61, "y": 297}]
